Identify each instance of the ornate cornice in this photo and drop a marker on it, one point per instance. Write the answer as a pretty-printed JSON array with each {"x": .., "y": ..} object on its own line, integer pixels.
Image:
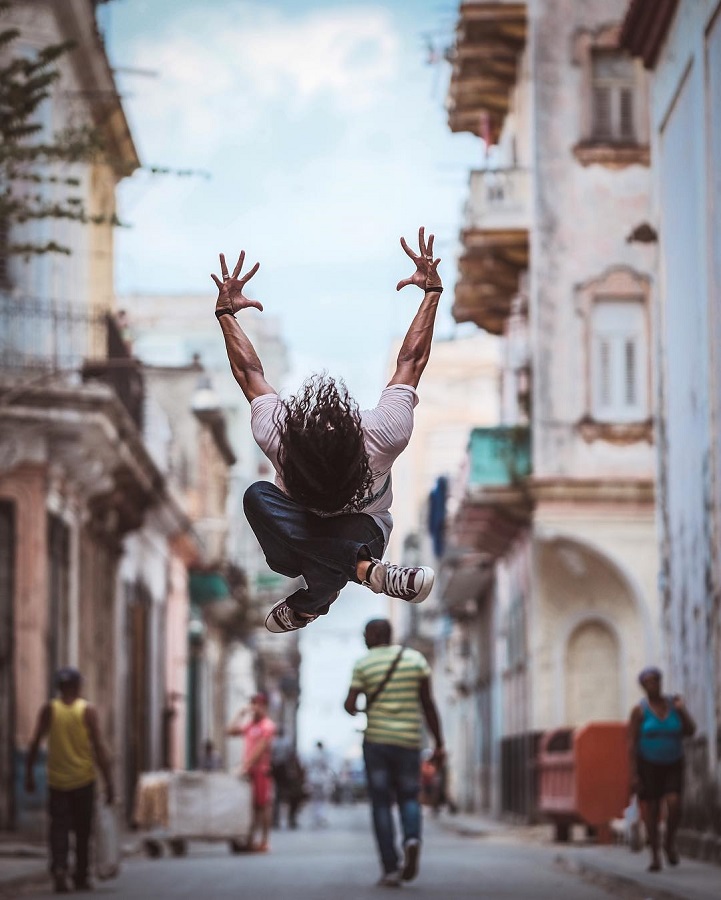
[{"x": 593, "y": 490}]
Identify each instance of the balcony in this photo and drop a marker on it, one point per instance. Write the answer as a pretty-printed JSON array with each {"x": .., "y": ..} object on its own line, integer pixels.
[
  {"x": 42, "y": 341},
  {"x": 490, "y": 37},
  {"x": 490, "y": 269},
  {"x": 499, "y": 457},
  {"x": 499, "y": 200},
  {"x": 496, "y": 507},
  {"x": 495, "y": 242}
]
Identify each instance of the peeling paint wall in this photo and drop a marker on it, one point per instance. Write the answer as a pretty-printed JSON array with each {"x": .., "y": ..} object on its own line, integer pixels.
[{"x": 686, "y": 129}]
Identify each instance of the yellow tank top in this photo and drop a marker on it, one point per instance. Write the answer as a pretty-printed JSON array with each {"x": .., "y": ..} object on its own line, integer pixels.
[{"x": 70, "y": 755}]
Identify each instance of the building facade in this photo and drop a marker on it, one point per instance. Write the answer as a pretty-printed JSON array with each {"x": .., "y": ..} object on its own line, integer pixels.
[
  {"x": 679, "y": 44},
  {"x": 556, "y": 559},
  {"x": 179, "y": 333}
]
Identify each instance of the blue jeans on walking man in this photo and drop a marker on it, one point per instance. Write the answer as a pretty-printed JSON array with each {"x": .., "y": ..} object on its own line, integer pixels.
[
  {"x": 324, "y": 550},
  {"x": 393, "y": 777}
]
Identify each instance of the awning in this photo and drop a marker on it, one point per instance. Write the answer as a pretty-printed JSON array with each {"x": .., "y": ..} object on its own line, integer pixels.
[{"x": 207, "y": 587}]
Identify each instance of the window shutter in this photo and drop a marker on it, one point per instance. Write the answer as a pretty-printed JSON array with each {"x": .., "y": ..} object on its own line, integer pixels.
[
  {"x": 604, "y": 373},
  {"x": 618, "y": 367},
  {"x": 613, "y": 80},
  {"x": 626, "y": 124},
  {"x": 601, "y": 111},
  {"x": 630, "y": 373}
]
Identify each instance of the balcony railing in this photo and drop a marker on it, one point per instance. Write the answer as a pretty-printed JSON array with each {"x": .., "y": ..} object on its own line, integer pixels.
[
  {"x": 499, "y": 200},
  {"x": 499, "y": 457},
  {"x": 43, "y": 335},
  {"x": 40, "y": 336}
]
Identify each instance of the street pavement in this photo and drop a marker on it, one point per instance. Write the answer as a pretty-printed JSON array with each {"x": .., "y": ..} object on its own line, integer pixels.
[
  {"x": 465, "y": 855},
  {"x": 339, "y": 863}
]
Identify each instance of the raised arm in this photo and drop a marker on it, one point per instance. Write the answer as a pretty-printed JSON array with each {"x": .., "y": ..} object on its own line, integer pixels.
[
  {"x": 244, "y": 362},
  {"x": 237, "y": 726},
  {"x": 416, "y": 347}
]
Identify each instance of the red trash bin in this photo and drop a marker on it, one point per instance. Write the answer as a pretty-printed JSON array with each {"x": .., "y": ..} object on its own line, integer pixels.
[{"x": 584, "y": 777}]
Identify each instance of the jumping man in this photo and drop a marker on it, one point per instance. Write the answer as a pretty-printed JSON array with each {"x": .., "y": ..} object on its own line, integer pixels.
[{"x": 327, "y": 517}]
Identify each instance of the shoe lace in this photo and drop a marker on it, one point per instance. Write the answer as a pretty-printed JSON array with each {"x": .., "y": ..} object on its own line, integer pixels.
[
  {"x": 284, "y": 617},
  {"x": 397, "y": 578}
]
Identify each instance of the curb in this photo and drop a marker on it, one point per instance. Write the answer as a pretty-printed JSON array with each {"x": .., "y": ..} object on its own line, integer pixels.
[
  {"x": 462, "y": 829},
  {"x": 620, "y": 886}
]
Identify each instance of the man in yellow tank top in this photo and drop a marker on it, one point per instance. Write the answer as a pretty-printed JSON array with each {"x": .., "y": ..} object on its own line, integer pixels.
[{"x": 74, "y": 746}]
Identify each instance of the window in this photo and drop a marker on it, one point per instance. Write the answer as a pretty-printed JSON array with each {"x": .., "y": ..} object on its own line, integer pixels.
[
  {"x": 614, "y": 116},
  {"x": 612, "y": 97},
  {"x": 618, "y": 363}
]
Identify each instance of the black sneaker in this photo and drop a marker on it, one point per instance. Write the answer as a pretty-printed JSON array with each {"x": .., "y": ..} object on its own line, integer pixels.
[
  {"x": 410, "y": 583},
  {"x": 282, "y": 618},
  {"x": 411, "y": 855}
]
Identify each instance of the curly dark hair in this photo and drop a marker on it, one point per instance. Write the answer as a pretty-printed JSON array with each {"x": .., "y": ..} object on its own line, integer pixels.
[{"x": 322, "y": 454}]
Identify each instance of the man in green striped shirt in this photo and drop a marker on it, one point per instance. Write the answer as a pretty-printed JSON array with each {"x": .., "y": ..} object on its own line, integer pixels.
[{"x": 393, "y": 741}]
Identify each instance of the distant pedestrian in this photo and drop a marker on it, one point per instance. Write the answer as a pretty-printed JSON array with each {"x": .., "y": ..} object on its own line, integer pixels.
[
  {"x": 327, "y": 517},
  {"x": 296, "y": 790},
  {"x": 210, "y": 760},
  {"x": 396, "y": 681},
  {"x": 258, "y": 730},
  {"x": 280, "y": 756},
  {"x": 319, "y": 774},
  {"x": 657, "y": 727},
  {"x": 70, "y": 724}
]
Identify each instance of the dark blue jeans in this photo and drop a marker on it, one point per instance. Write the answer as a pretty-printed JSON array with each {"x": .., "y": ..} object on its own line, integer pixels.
[
  {"x": 296, "y": 542},
  {"x": 394, "y": 776}
]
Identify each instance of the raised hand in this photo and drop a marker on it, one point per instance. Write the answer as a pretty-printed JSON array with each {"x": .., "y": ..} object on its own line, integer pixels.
[
  {"x": 426, "y": 275},
  {"x": 231, "y": 288}
]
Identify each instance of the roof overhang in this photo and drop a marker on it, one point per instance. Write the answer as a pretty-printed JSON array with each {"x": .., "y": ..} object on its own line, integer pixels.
[
  {"x": 77, "y": 20},
  {"x": 645, "y": 27}
]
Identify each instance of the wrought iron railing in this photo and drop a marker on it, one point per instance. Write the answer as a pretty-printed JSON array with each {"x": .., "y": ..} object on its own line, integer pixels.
[{"x": 39, "y": 337}]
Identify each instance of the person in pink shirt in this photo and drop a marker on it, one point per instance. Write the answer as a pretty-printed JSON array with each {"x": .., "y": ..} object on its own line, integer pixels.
[
  {"x": 258, "y": 732},
  {"x": 327, "y": 517}
]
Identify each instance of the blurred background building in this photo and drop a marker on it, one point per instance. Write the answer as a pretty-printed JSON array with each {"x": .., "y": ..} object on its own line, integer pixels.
[
  {"x": 581, "y": 250},
  {"x": 123, "y": 549}
]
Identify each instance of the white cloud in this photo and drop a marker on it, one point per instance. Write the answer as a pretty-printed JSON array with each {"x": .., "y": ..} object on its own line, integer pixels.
[{"x": 219, "y": 75}]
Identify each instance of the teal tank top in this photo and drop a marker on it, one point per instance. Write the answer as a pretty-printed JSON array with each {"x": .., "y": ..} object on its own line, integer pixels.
[{"x": 660, "y": 740}]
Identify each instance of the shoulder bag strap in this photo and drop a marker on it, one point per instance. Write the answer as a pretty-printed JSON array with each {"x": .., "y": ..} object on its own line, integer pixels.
[{"x": 389, "y": 674}]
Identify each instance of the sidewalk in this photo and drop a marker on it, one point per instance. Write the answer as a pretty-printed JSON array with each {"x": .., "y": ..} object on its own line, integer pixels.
[
  {"x": 625, "y": 873},
  {"x": 622, "y": 873},
  {"x": 21, "y": 863}
]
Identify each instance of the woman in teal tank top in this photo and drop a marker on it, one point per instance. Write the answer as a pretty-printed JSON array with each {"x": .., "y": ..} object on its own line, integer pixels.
[{"x": 657, "y": 728}]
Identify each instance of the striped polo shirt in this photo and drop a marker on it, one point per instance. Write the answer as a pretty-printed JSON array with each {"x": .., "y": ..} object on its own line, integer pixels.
[{"x": 395, "y": 716}]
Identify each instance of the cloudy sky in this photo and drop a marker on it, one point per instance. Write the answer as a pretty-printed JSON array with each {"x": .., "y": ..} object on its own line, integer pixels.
[{"x": 324, "y": 132}]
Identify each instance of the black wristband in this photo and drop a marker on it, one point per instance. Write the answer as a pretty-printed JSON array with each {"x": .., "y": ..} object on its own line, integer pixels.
[
  {"x": 433, "y": 290},
  {"x": 226, "y": 311}
]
